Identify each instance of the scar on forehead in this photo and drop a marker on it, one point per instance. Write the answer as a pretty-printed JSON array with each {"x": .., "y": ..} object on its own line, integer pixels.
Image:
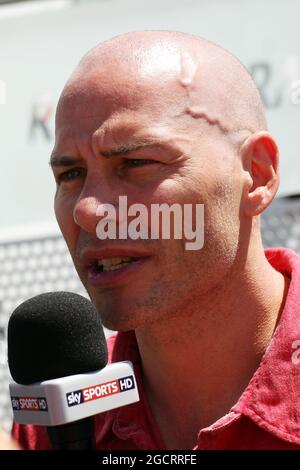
[
  {"x": 188, "y": 69},
  {"x": 198, "y": 112},
  {"x": 187, "y": 78}
]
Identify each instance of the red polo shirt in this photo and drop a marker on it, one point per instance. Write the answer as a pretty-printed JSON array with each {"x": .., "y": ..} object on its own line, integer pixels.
[{"x": 267, "y": 415}]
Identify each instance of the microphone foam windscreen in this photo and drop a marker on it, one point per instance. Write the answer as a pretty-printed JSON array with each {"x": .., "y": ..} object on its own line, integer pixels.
[{"x": 55, "y": 335}]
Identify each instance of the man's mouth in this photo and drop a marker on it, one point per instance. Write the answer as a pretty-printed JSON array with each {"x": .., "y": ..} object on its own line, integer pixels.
[
  {"x": 112, "y": 267},
  {"x": 113, "y": 264}
]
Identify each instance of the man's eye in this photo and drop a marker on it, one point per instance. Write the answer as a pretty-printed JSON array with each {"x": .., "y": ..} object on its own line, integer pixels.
[
  {"x": 70, "y": 175},
  {"x": 137, "y": 162}
]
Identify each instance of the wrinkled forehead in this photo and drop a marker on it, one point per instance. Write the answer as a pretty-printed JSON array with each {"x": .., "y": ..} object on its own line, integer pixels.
[{"x": 115, "y": 112}]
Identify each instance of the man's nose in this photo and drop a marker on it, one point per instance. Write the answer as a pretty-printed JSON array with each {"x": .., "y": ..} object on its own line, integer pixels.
[
  {"x": 88, "y": 211},
  {"x": 85, "y": 213},
  {"x": 91, "y": 206}
]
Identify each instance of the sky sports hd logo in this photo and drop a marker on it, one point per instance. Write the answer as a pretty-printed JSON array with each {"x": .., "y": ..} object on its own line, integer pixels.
[
  {"x": 100, "y": 391},
  {"x": 29, "y": 404}
]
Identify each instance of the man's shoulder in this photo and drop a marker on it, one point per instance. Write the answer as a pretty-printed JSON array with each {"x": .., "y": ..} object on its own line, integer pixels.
[{"x": 31, "y": 437}]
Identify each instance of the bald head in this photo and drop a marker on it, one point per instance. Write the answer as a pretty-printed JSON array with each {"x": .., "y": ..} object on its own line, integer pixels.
[{"x": 205, "y": 82}]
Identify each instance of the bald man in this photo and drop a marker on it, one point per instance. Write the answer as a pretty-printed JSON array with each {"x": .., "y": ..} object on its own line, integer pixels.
[{"x": 167, "y": 117}]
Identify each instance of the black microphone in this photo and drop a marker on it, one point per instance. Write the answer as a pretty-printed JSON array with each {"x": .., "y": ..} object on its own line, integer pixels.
[{"x": 54, "y": 336}]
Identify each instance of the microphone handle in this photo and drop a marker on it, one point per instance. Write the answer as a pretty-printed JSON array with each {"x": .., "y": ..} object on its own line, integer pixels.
[{"x": 78, "y": 435}]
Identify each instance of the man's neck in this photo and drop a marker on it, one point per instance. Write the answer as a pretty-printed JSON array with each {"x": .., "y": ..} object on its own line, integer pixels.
[{"x": 195, "y": 368}]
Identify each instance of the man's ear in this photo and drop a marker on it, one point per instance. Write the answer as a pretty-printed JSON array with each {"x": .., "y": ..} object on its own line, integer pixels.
[{"x": 259, "y": 155}]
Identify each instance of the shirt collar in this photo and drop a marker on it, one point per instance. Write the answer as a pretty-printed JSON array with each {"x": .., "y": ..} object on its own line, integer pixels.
[
  {"x": 133, "y": 422},
  {"x": 272, "y": 398}
]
